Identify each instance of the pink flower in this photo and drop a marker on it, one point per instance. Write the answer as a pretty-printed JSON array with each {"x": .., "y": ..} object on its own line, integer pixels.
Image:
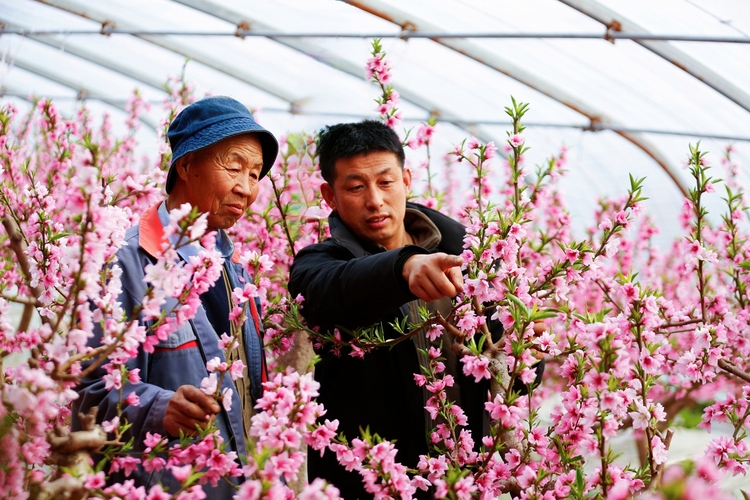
[
  {"x": 113, "y": 380},
  {"x": 127, "y": 464},
  {"x": 490, "y": 150},
  {"x": 476, "y": 366},
  {"x": 464, "y": 487},
  {"x": 94, "y": 481},
  {"x": 320, "y": 438},
  {"x": 434, "y": 333},
  {"x": 132, "y": 399},
  {"x": 319, "y": 490},
  {"x": 111, "y": 425},
  {"x": 458, "y": 414},
  {"x": 209, "y": 384},
  {"x": 571, "y": 254},
  {"x": 157, "y": 493},
  {"x": 215, "y": 364},
  {"x": 250, "y": 490},
  {"x": 226, "y": 398},
  {"x": 227, "y": 342},
  {"x": 152, "y": 441},
  {"x": 236, "y": 369},
  {"x": 658, "y": 450},
  {"x": 182, "y": 473},
  {"x": 516, "y": 140}
]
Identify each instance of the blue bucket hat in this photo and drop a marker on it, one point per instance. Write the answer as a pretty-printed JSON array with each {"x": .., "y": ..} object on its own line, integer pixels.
[{"x": 211, "y": 120}]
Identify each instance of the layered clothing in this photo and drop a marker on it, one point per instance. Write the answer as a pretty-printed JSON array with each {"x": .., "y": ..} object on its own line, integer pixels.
[{"x": 181, "y": 358}]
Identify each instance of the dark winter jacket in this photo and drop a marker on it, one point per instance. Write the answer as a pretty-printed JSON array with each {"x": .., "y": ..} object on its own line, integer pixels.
[{"x": 349, "y": 283}]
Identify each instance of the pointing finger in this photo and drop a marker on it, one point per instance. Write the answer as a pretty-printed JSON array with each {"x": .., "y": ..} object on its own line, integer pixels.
[
  {"x": 456, "y": 278},
  {"x": 446, "y": 261}
]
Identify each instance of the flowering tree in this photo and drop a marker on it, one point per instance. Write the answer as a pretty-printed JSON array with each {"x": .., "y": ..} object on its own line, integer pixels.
[{"x": 631, "y": 335}]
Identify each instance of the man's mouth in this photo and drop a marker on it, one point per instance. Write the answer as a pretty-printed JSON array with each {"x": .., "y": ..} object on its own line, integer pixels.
[
  {"x": 377, "y": 220},
  {"x": 236, "y": 209}
]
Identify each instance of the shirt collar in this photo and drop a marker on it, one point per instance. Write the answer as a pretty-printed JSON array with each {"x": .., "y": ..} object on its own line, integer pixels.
[{"x": 223, "y": 244}]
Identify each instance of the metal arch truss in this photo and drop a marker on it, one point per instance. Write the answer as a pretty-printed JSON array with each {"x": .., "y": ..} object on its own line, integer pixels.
[
  {"x": 492, "y": 60},
  {"x": 463, "y": 123},
  {"x": 667, "y": 51},
  {"x": 461, "y": 42},
  {"x": 312, "y": 49},
  {"x": 171, "y": 43},
  {"x": 43, "y": 71},
  {"x": 99, "y": 13},
  {"x": 269, "y": 33}
]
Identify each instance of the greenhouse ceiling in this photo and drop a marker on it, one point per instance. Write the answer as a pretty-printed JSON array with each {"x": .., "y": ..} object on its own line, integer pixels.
[{"x": 624, "y": 85}]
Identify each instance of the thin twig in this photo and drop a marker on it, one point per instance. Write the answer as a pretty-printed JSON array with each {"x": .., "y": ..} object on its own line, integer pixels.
[
  {"x": 660, "y": 468},
  {"x": 682, "y": 323}
]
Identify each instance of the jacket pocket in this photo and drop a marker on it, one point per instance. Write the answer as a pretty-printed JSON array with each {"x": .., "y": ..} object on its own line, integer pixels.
[
  {"x": 177, "y": 361},
  {"x": 182, "y": 338}
]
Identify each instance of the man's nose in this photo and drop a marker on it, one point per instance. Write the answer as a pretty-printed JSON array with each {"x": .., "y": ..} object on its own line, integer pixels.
[
  {"x": 244, "y": 186},
  {"x": 374, "y": 197}
]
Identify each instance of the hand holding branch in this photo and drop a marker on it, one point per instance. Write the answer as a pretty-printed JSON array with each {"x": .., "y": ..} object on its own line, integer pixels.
[{"x": 188, "y": 408}]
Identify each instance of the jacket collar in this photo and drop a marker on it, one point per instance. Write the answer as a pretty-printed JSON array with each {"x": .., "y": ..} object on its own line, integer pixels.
[
  {"x": 151, "y": 236},
  {"x": 345, "y": 237}
]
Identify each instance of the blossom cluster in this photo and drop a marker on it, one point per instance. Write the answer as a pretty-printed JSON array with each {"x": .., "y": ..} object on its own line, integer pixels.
[{"x": 378, "y": 70}]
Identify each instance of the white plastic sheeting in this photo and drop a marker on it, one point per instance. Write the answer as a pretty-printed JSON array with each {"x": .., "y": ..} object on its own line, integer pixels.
[{"x": 656, "y": 96}]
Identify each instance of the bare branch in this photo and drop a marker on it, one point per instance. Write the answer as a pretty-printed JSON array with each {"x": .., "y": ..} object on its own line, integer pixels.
[
  {"x": 18, "y": 246},
  {"x": 727, "y": 366}
]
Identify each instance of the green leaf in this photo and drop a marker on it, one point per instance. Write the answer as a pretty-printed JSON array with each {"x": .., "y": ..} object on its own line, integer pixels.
[{"x": 518, "y": 304}]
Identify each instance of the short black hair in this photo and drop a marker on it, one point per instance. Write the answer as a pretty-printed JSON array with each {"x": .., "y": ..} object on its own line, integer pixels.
[{"x": 345, "y": 140}]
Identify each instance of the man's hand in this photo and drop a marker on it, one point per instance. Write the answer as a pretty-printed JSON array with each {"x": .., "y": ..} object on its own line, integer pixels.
[
  {"x": 189, "y": 407},
  {"x": 434, "y": 276}
]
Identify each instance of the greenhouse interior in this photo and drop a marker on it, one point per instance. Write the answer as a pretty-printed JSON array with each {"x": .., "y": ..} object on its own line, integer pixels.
[{"x": 596, "y": 154}]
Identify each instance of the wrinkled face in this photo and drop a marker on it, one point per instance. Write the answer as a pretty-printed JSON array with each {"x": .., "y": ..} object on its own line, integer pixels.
[
  {"x": 369, "y": 194},
  {"x": 222, "y": 180}
]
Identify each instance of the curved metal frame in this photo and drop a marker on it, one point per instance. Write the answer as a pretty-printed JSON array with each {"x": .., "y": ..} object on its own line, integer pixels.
[
  {"x": 667, "y": 51},
  {"x": 407, "y": 94},
  {"x": 40, "y": 70},
  {"x": 170, "y": 43},
  {"x": 302, "y": 43},
  {"x": 492, "y": 60}
]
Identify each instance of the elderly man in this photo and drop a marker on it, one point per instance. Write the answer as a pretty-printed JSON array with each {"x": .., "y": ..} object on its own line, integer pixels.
[
  {"x": 219, "y": 155},
  {"x": 385, "y": 258}
]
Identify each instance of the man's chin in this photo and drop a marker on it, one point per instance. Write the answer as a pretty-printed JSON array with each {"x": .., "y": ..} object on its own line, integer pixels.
[{"x": 222, "y": 223}]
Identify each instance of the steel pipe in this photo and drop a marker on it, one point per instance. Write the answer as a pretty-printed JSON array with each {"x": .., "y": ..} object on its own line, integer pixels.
[{"x": 406, "y": 34}]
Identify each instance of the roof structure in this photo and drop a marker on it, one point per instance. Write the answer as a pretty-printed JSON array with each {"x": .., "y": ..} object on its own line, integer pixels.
[{"x": 625, "y": 86}]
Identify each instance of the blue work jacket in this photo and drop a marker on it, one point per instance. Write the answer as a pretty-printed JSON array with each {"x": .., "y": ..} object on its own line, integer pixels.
[{"x": 179, "y": 360}]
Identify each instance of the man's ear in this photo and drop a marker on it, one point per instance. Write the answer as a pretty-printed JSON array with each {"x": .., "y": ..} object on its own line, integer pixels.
[
  {"x": 327, "y": 191},
  {"x": 183, "y": 164},
  {"x": 407, "y": 179}
]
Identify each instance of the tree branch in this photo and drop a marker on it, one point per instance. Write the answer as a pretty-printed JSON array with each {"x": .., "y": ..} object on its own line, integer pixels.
[
  {"x": 727, "y": 366},
  {"x": 17, "y": 245}
]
